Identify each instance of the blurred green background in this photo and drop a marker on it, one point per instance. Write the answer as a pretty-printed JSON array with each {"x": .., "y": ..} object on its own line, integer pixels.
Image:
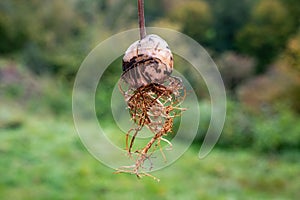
[{"x": 256, "y": 45}]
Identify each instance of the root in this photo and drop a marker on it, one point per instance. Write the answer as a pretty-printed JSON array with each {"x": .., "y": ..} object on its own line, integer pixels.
[{"x": 154, "y": 106}]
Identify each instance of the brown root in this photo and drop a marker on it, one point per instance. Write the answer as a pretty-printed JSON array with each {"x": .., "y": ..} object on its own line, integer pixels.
[{"x": 154, "y": 106}]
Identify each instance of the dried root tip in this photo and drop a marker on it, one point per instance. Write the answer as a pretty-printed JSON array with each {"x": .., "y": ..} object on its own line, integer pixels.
[
  {"x": 138, "y": 174},
  {"x": 136, "y": 169}
]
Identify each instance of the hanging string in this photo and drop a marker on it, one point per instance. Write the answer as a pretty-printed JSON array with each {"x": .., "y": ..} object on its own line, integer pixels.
[{"x": 141, "y": 18}]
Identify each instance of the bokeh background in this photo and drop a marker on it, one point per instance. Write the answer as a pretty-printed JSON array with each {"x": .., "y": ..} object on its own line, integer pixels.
[{"x": 256, "y": 45}]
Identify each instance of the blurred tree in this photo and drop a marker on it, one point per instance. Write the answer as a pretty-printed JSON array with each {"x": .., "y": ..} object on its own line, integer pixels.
[
  {"x": 280, "y": 85},
  {"x": 266, "y": 34},
  {"x": 293, "y": 7},
  {"x": 55, "y": 28},
  {"x": 120, "y": 14},
  {"x": 154, "y": 9},
  {"x": 292, "y": 54},
  {"x": 196, "y": 19},
  {"x": 229, "y": 17},
  {"x": 277, "y": 132},
  {"x": 127, "y": 12},
  {"x": 235, "y": 68},
  {"x": 13, "y": 30},
  {"x": 289, "y": 67},
  {"x": 47, "y": 34}
]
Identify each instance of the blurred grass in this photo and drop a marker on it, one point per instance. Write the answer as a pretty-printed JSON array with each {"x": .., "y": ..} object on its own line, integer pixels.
[{"x": 43, "y": 158}]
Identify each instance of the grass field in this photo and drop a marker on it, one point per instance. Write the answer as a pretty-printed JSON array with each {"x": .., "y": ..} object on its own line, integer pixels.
[{"x": 43, "y": 158}]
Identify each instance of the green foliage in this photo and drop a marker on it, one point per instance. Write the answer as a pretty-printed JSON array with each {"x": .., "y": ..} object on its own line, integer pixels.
[
  {"x": 278, "y": 132},
  {"x": 280, "y": 85},
  {"x": 154, "y": 9},
  {"x": 55, "y": 98},
  {"x": 289, "y": 67},
  {"x": 266, "y": 34},
  {"x": 238, "y": 128},
  {"x": 104, "y": 92},
  {"x": 292, "y": 53},
  {"x": 13, "y": 31},
  {"x": 293, "y": 8},
  {"x": 38, "y": 94},
  {"x": 52, "y": 39},
  {"x": 195, "y": 19},
  {"x": 228, "y": 18},
  {"x": 273, "y": 132}
]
